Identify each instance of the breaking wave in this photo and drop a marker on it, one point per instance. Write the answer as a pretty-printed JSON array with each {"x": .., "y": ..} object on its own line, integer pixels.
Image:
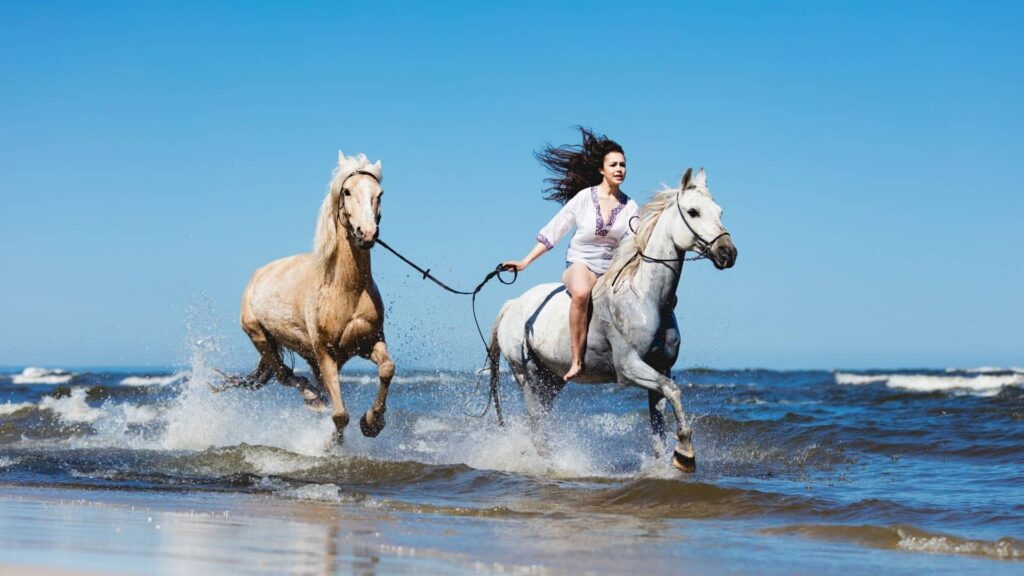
[{"x": 982, "y": 383}]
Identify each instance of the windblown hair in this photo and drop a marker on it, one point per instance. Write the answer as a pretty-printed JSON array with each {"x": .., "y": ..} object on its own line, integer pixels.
[
  {"x": 325, "y": 243},
  {"x": 575, "y": 167},
  {"x": 626, "y": 261}
]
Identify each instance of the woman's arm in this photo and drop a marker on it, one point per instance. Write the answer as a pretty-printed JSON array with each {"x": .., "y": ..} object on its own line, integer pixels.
[
  {"x": 550, "y": 234},
  {"x": 519, "y": 265}
]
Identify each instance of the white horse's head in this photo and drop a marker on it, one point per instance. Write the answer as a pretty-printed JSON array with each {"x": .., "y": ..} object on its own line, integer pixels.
[
  {"x": 702, "y": 229},
  {"x": 352, "y": 204}
]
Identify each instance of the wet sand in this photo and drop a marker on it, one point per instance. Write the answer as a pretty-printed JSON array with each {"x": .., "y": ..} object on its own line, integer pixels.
[{"x": 74, "y": 531}]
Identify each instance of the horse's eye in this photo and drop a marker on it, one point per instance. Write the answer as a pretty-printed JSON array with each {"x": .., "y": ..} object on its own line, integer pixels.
[
  {"x": 693, "y": 213},
  {"x": 346, "y": 192},
  {"x": 380, "y": 194}
]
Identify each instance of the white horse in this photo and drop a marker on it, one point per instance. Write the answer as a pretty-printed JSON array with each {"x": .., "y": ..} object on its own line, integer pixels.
[{"x": 633, "y": 336}]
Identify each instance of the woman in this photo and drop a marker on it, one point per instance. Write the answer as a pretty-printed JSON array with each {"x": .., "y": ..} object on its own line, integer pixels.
[{"x": 586, "y": 181}]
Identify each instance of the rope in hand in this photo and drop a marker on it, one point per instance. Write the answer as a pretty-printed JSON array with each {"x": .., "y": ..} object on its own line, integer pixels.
[{"x": 490, "y": 275}]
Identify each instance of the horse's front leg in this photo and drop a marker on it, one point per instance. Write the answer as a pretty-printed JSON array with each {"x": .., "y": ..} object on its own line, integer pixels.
[
  {"x": 634, "y": 371},
  {"x": 373, "y": 421},
  {"x": 329, "y": 368}
]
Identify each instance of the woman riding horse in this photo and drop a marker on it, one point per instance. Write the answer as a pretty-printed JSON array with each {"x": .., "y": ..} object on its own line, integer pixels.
[{"x": 587, "y": 182}]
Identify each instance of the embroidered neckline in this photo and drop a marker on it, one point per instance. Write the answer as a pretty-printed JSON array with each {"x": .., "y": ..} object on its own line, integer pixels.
[{"x": 602, "y": 229}]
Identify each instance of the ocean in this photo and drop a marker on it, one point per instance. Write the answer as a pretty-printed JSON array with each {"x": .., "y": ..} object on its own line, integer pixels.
[{"x": 901, "y": 471}]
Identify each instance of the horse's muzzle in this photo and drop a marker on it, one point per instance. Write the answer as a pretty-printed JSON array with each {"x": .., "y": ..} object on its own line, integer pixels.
[
  {"x": 364, "y": 240},
  {"x": 723, "y": 253}
]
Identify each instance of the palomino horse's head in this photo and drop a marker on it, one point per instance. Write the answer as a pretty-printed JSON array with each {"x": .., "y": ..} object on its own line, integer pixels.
[
  {"x": 352, "y": 205},
  {"x": 702, "y": 229}
]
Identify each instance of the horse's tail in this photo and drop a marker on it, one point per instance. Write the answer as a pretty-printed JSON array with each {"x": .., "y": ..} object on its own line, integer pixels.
[{"x": 494, "y": 360}]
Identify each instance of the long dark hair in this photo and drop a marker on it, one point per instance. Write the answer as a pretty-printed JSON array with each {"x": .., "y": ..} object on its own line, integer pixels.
[{"x": 575, "y": 167}]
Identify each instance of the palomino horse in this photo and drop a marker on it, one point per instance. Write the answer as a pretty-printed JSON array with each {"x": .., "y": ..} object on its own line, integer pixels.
[
  {"x": 633, "y": 336},
  {"x": 324, "y": 305}
]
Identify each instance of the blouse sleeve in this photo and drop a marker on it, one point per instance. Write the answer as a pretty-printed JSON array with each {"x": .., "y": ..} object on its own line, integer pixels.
[{"x": 556, "y": 229}]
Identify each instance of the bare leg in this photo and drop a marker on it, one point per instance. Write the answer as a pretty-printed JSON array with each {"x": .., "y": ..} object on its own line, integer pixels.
[
  {"x": 329, "y": 372},
  {"x": 634, "y": 371},
  {"x": 579, "y": 281},
  {"x": 373, "y": 421}
]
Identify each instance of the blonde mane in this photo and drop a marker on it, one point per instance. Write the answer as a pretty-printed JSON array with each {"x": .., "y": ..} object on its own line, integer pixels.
[
  {"x": 325, "y": 243},
  {"x": 625, "y": 263}
]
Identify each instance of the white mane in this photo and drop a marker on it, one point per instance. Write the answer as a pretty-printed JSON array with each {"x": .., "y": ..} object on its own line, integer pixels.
[{"x": 625, "y": 263}]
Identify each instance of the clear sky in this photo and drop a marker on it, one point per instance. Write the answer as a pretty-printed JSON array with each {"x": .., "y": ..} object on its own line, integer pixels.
[{"x": 868, "y": 156}]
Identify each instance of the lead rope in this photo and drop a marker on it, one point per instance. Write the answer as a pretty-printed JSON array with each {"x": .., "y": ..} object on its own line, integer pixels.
[{"x": 490, "y": 275}]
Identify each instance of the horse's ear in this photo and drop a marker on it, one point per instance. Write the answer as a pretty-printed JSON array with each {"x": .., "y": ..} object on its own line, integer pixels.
[
  {"x": 701, "y": 180},
  {"x": 687, "y": 176},
  {"x": 341, "y": 157},
  {"x": 377, "y": 166}
]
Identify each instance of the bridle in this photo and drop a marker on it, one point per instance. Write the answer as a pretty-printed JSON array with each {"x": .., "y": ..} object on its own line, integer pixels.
[
  {"x": 704, "y": 246},
  {"x": 341, "y": 198},
  {"x": 703, "y": 252}
]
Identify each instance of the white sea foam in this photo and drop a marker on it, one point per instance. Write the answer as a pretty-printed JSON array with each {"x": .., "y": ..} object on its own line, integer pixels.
[
  {"x": 34, "y": 375},
  {"x": 153, "y": 380},
  {"x": 282, "y": 436},
  {"x": 138, "y": 414},
  {"x": 1003, "y": 549},
  {"x": 72, "y": 408},
  {"x": 983, "y": 384},
  {"x": 426, "y": 426},
  {"x": 987, "y": 370},
  {"x": 372, "y": 379},
  {"x": 858, "y": 379},
  {"x": 276, "y": 462},
  {"x": 9, "y": 408},
  {"x": 317, "y": 492},
  {"x": 6, "y": 461}
]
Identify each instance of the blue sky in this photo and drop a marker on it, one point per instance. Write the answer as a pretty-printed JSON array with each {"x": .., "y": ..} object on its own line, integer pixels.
[{"x": 867, "y": 156}]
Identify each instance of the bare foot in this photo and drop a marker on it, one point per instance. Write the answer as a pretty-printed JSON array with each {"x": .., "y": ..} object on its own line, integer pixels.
[{"x": 574, "y": 370}]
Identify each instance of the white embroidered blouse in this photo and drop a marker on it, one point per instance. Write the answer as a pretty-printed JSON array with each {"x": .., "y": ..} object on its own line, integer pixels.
[{"x": 595, "y": 239}]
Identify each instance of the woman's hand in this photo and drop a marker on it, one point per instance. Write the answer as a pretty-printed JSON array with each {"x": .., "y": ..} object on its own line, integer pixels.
[{"x": 517, "y": 265}]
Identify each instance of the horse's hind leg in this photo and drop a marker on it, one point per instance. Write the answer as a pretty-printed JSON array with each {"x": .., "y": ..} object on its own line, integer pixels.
[
  {"x": 540, "y": 388},
  {"x": 252, "y": 381},
  {"x": 271, "y": 363},
  {"x": 373, "y": 421},
  {"x": 657, "y": 422},
  {"x": 314, "y": 397}
]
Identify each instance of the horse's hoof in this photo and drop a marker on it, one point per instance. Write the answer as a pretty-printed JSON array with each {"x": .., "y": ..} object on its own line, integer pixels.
[
  {"x": 371, "y": 431},
  {"x": 340, "y": 421},
  {"x": 685, "y": 464}
]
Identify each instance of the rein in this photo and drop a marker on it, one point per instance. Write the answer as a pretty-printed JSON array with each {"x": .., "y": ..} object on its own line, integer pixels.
[
  {"x": 428, "y": 276},
  {"x": 702, "y": 253},
  {"x": 496, "y": 273}
]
